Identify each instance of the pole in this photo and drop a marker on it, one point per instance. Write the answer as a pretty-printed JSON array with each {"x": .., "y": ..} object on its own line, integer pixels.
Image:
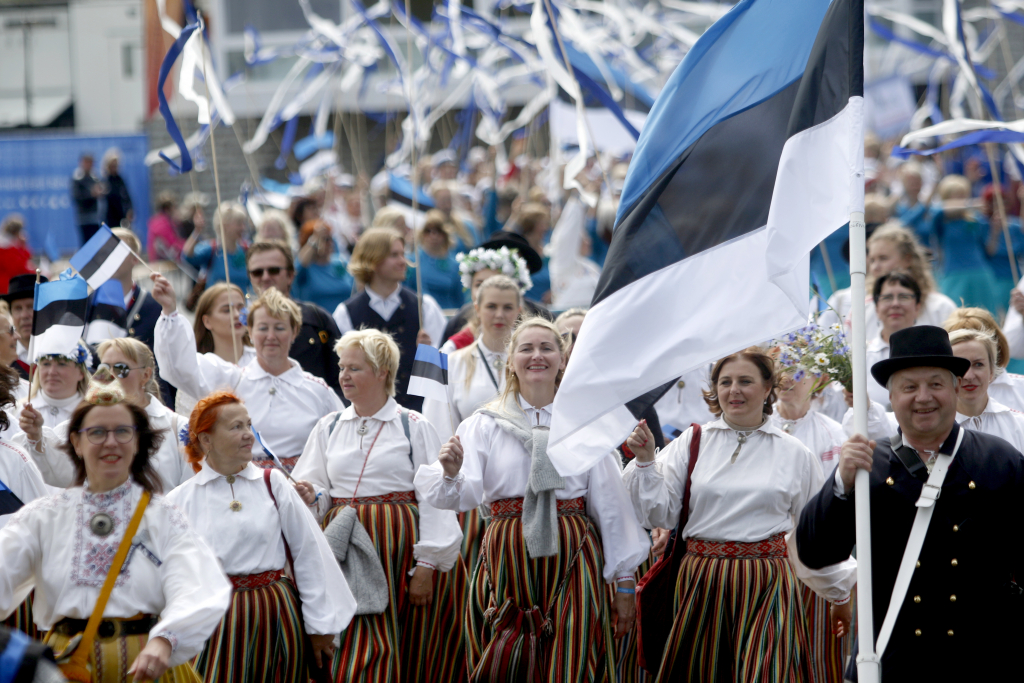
[
  {"x": 415, "y": 169},
  {"x": 32, "y": 347},
  {"x": 216, "y": 185},
  {"x": 868, "y": 665},
  {"x": 997, "y": 191}
]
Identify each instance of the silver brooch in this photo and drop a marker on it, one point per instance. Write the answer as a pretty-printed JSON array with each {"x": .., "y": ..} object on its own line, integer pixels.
[
  {"x": 273, "y": 390},
  {"x": 362, "y": 429},
  {"x": 101, "y": 524},
  {"x": 54, "y": 410}
]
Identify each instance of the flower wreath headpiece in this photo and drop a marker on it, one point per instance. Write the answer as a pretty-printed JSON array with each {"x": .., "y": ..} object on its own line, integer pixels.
[{"x": 504, "y": 260}]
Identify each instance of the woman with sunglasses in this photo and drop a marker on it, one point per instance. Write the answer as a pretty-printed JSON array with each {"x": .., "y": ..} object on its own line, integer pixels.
[
  {"x": 131, "y": 363},
  {"x": 170, "y": 592},
  {"x": 284, "y": 401}
]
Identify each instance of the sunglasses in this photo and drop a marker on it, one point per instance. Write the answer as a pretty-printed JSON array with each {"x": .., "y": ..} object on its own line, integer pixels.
[
  {"x": 272, "y": 271},
  {"x": 119, "y": 370}
]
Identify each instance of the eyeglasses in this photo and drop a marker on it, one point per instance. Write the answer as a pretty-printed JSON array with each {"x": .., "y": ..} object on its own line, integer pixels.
[
  {"x": 272, "y": 271},
  {"x": 98, "y": 435},
  {"x": 569, "y": 336},
  {"x": 902, "y": 298},
  {"x": 119, "y": 370},
  {"x": 12, "y": 330}
]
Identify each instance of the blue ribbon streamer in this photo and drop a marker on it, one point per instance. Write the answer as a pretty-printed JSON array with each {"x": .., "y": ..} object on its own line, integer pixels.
[
  {"x": 884, "y": 32},
  {"x": 975, "y": 137},
  {"x": 165, "y": 110}
]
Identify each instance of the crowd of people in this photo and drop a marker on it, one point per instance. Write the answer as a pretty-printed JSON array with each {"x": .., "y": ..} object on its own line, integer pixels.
[{"x": 183, "y": 502}]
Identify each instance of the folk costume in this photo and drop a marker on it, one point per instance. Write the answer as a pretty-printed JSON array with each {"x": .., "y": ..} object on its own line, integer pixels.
[
  {"x": 368, "y": 463},
  {"x": 739, "y": 613},
  {"x": 170, "y": 585},
  {"x": 958, "y": 617},
  {"x": 254, "y": 533},
  {"x": 551, "y": 547},
  {"x": 284, "y": 408},
  {"x": 476, "y": 375}
]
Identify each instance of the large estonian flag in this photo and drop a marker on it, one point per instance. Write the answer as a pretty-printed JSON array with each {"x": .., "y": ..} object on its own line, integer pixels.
[
  {"x": 429, "y": 376},
  {"x": 107, "y": 317},
  {"x": 751, "y": 155},
  {"x": 59, "y": 317},
  {"x": 100, "y": 257}
]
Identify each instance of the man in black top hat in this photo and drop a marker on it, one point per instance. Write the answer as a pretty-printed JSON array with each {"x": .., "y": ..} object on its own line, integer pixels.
[
  {"x": 960, "y": 614},
  {"x": 20, "y": 294},
  {"x": 533, "y": 263}
]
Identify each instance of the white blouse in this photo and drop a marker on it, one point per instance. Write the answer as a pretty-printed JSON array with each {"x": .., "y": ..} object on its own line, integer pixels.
[
  {"x": 341, "y": 463},
  {"x": 184, "y": 402},
  {"x": 250, "y": 541},
  {"x": 1008, "y": 389},
  {"x": 997, "y": 420},
  {"x": 465, "y": 400},
  {"x": 171, "y": 572},
  {"x": 831, "y": 402},
  {"x": 168, "y": 461},
  {"x": 54, "y": 410},
  {"x": 822, "y": 435},
  {"x": 756, "y": 497},
  {"x": 496, "y": 466},
  {"x": 19, "y": 474},
  {"x": 284, "y": 408}
]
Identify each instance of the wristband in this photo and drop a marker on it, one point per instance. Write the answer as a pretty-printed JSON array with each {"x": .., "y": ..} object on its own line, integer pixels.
[
  {"x": 845, "y": 600},
  {"x": 628, "y": 591},
  {"x": 315, "y": 500}
]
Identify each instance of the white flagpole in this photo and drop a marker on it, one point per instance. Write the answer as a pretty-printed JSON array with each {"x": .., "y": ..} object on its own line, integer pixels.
[{"x": 868, "y": 665}]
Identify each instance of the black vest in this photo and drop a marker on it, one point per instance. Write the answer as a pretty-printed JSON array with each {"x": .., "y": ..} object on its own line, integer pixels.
[{"x": 404, "y": 326}]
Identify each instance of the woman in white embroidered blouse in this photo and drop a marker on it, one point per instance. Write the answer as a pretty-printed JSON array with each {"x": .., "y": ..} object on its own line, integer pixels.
[
  {"x": 59, "y": 384},
  {"x": 284, "y": 401},
  {"x": 975, "y": 409},
  {"x": 219, "y": 331},
  {"x": 750, "y": 482},
  {"x": 63, "y": 546},
  {"x": 254, "y": 520},
  {"x": 131, "y": 362},
  {"x": 529, "y": 552},
  {"x": 1006, "y": 387},
  {"x": 365, "y": 457}
]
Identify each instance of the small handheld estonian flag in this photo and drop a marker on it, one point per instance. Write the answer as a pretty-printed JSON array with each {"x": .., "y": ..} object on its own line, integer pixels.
[
  {"x": 9, "y": 503},
  {"x": 429, "y": 377},
  {"x": 273, "y": 456},
  {"x": 58, "y": 319},
  {"x": 100, "y": 257},
  {"x": 107, "y": 316}
]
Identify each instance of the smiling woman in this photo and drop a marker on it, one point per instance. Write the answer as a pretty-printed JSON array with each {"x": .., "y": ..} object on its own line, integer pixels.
[{"x": 168, "y": 595}]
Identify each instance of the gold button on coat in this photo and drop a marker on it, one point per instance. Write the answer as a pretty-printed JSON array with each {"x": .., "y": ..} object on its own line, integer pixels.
[
  {"x": 956, "y": 527},
  {"x": 917, "y": 631},
  {"x": 952, "y": 598},
  {"x": 917, "y": 598},
  {"x": 971, "y": 485},
  {"x": 918, "y": 564},
  {"x": 953, "y": 562},
  {"x": 312, "y": 341},
  {"x": 889, "y": 481},
  {"x": 949, "y": 632}
]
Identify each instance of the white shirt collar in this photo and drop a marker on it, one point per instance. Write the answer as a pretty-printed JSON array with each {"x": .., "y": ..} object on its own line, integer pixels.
[
  {"x": 768, "y": 427},
  {"x": 388, "y": 412},
  {"x": 208, "y": 474},
  {"x": 877, "y": 344},
  {"x": 392, "y": 298},
  {"x": 993, "y": 407},
  {"x": 526, "y": 406},
  {"x": 293, "y": 375}
]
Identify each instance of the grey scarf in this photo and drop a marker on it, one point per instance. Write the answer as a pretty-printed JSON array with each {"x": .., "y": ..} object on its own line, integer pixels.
[{"x": 540, "y": 513}]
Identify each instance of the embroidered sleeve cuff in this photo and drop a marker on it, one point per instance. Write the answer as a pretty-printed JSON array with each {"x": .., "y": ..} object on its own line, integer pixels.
[
  {"x": 644, "y": 465},
  {"x": 842, "y": 601},
  {"x": 421, "y": 563},
  {"x": 168, "y": 636},
  {"x": 453, "y": 485}
]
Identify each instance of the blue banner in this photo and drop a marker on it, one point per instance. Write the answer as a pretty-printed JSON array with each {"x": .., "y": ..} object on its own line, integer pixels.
[{"x": 35, "y": 181}]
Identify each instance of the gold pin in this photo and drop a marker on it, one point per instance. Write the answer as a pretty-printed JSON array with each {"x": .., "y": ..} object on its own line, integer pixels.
[
  {"x": 236, "y": 506},
  {"x": 889, "y": 481},
  {"x": 971, "y": 486}
]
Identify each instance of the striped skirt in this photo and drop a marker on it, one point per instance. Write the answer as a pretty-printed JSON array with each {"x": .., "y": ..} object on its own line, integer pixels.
[
  {"x": 405, "y": 643},
  {"x": 111, "y": 658},
  {"x": 260, "y": 637},
  {"x": 21, "y": 620},
  {"x": 580, "y": 647},
  {"x": 740, "y": 618},
  {"x": 473, "y": 527},
  {"x": 627, "y": 662},
  {"x": 828, "y": 653}
]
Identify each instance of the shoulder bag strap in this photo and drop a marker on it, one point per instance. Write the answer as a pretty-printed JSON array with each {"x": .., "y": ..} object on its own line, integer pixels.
[
  {"x": 404, "y": 413},
  {"x": 77, "y": 664},
  {"x": 925, "y": 507},
  {"x": 270, "y": 490},
  {"x": 679, "y": 548}
]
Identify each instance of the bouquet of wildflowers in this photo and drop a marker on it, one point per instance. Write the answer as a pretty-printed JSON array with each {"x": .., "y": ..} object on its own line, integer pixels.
[{"x": 818, "y": 351}]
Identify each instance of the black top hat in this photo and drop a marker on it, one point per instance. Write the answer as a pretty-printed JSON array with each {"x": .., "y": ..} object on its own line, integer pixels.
[
  {"x": 22, "y": 287},
  {"x": 918, "y": 347},
  {"x": 515, "y": 241}
]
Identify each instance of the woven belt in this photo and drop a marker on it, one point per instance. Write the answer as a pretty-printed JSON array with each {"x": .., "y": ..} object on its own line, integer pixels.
[
  {"x": 394, "y": 497},
  {"x": 248, "y": 582},
  {"x": 109, "y": 628},
  {"x": 510, "y": 508},
  {"x": 775, "y": 546}
]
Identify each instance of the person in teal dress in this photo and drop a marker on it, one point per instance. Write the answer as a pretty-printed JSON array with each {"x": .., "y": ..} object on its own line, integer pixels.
[
  {"x": 965, "y": 275},
  {"x": 321, "y": 274},
  {"x": 439, "y": 269}
]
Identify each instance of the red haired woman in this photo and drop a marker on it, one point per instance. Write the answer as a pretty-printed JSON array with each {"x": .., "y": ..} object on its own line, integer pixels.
[{"x": 254, "y": 520}]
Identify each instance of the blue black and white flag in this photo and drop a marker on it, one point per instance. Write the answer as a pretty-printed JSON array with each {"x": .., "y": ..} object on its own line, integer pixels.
[
  {"x": 9, "y": 502},
  {"x": 58, "y": 319},
  {"x": 400, "y": 196},
  {"x": 429, "y": 376},
  {"x": 100, "y": 257},
  {"x": 751, "y": 155},
  {"x": 107, "y": 317},
  {"x": 270, "y": 455}
]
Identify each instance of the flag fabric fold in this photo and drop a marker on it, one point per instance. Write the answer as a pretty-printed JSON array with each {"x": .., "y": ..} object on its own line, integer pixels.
[
  {"x": 751, "y": 155},
  {"x": 58, "y": 319},
  {"x": 9, "y": 501},
  {"x": 100, "y": 257},
  {"x": 107, "y": 317},
  {"x": 429, "y": 376}
]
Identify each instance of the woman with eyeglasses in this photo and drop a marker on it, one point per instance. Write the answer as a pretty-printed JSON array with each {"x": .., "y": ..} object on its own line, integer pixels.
[
  {"x": 169, "y": 593},
  {"x": 897, "y": 297},
  {"x": 131, "y": 363},
  {"x": 284, "y": 401}
]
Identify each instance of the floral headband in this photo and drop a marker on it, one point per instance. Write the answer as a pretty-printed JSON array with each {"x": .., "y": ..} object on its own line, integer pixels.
[
  {"x": 504, "y": 260},
  {"x": 79, "y": 355}
]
